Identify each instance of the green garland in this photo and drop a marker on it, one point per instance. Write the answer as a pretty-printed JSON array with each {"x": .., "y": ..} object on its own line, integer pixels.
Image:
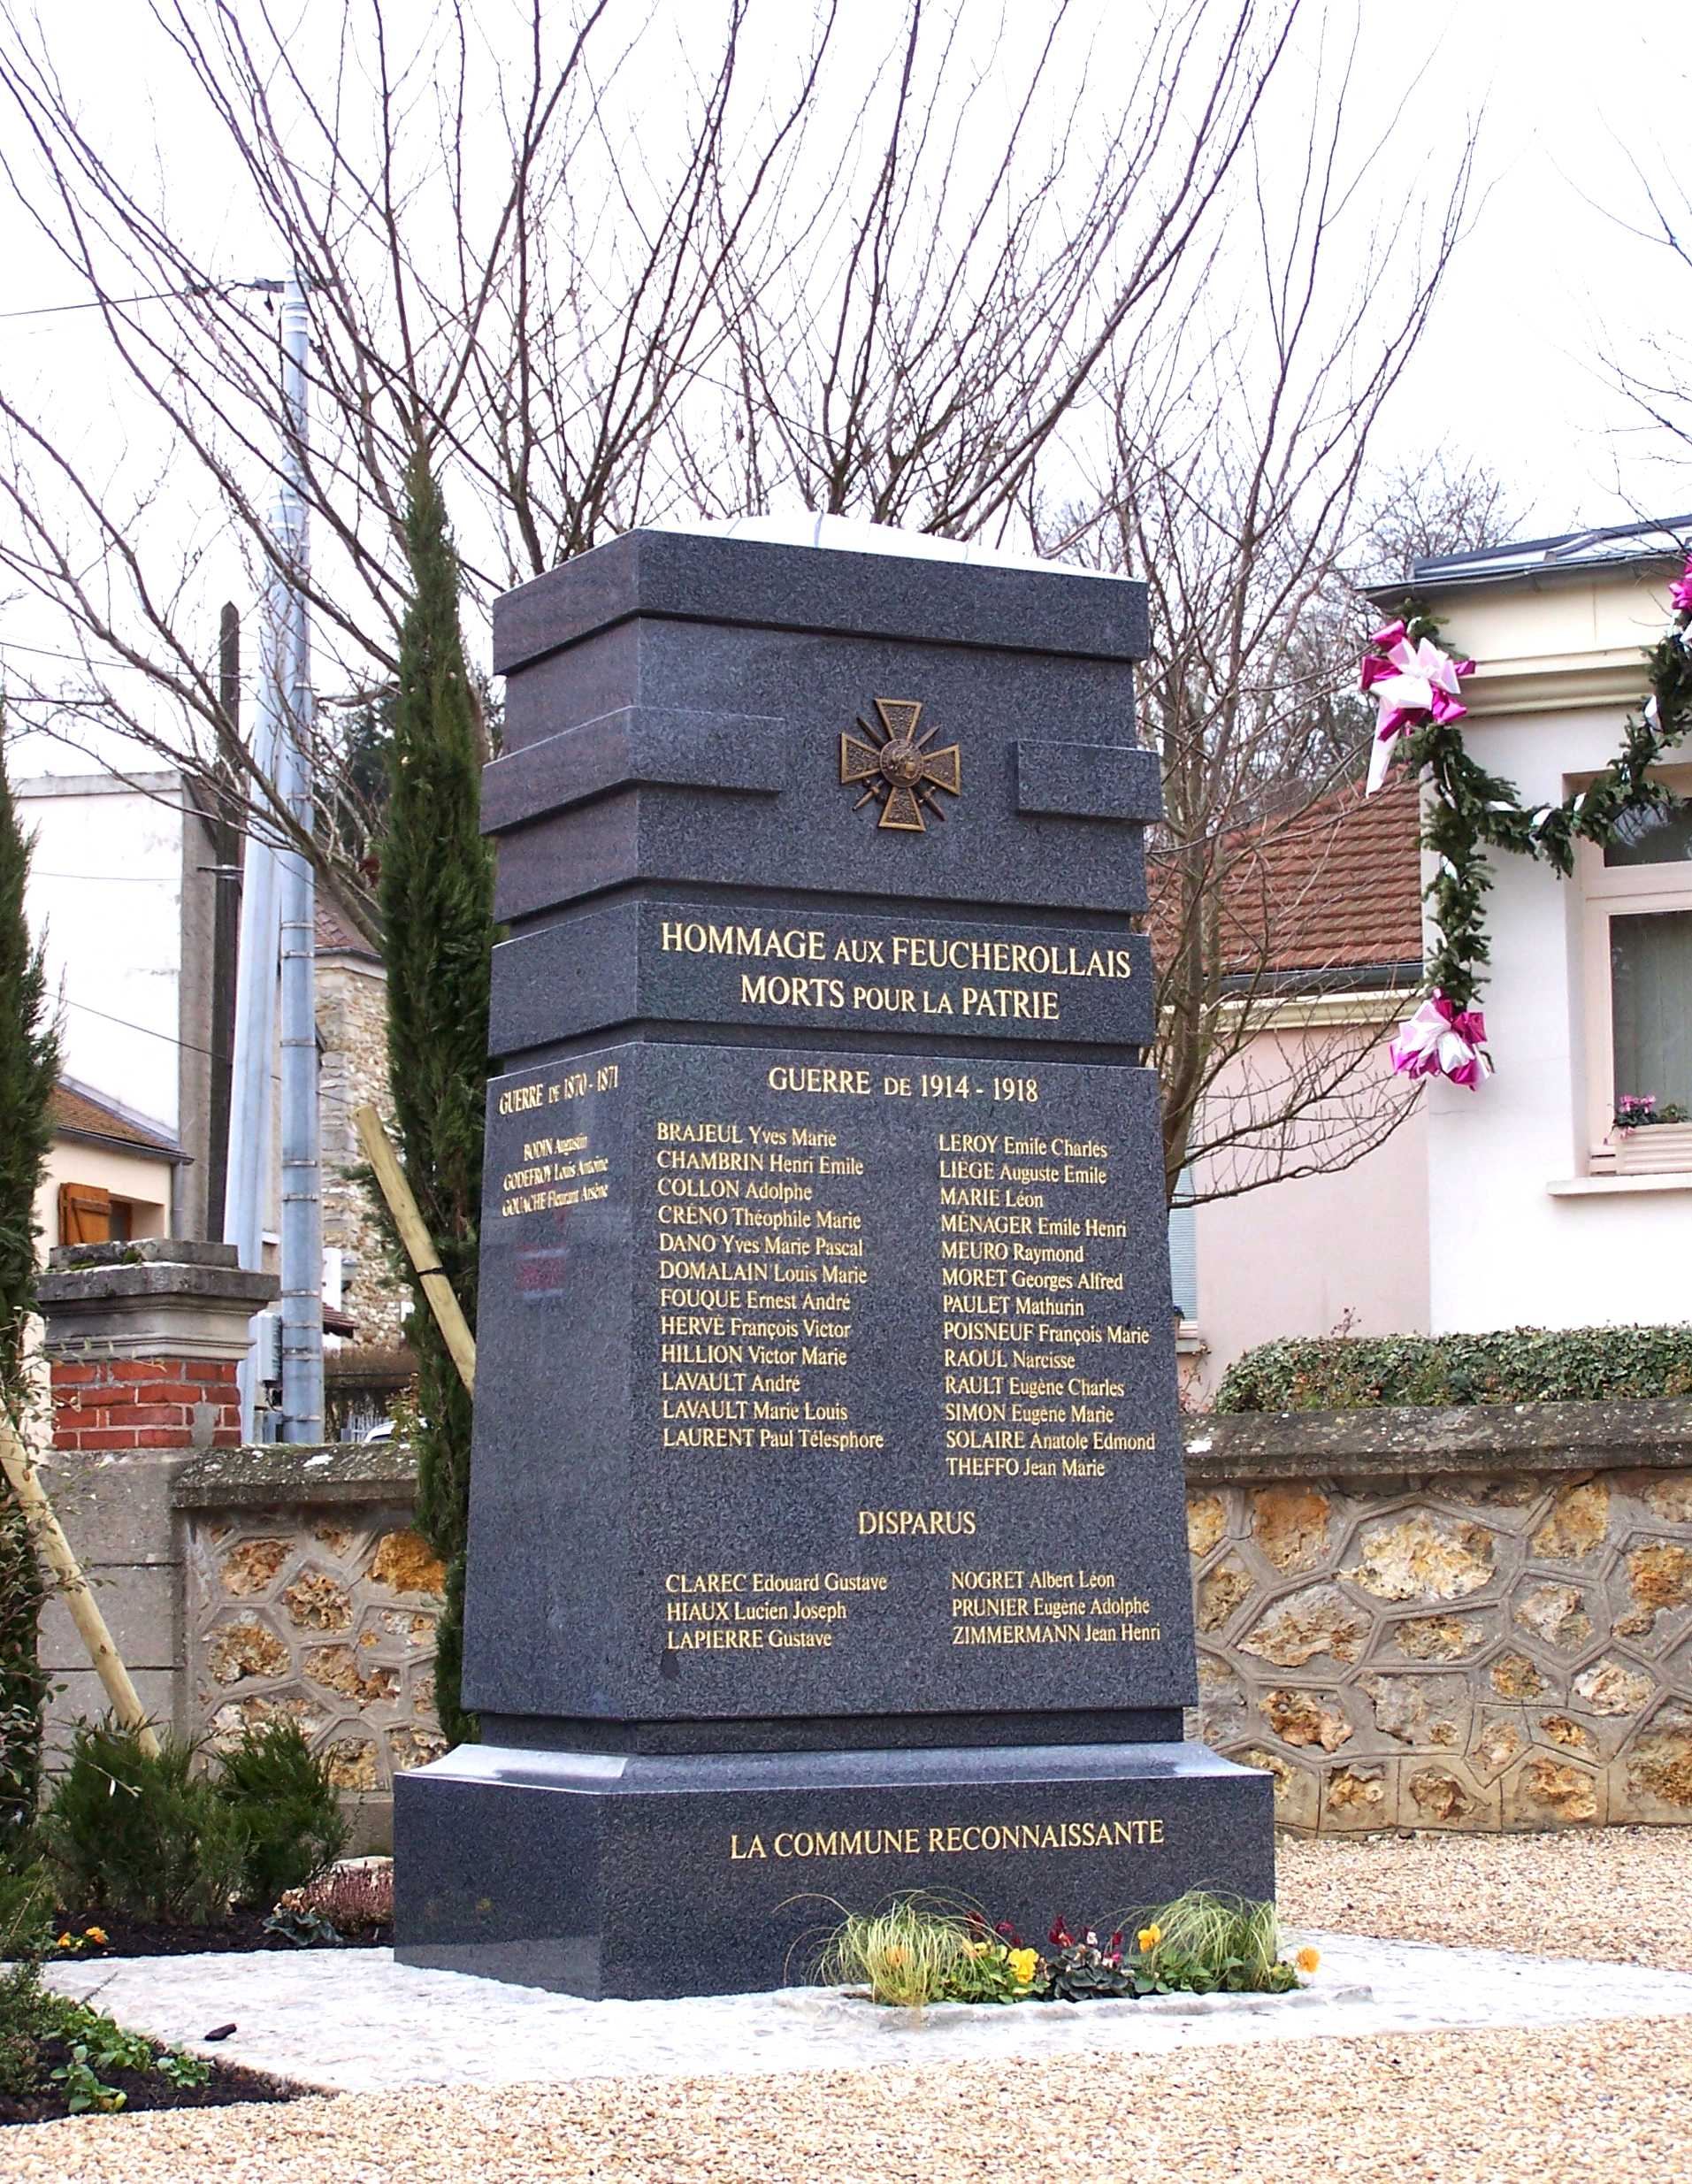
[{"x": 1472, "y": 810}]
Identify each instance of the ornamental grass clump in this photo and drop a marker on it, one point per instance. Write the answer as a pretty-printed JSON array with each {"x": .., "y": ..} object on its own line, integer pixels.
[
  {"x": 909, "y": 1954},
  {"x": 1203, "y": 1943}
]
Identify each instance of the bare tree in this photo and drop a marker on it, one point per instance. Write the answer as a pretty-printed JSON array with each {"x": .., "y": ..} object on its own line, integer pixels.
[
  {"x": 489, "y": 276},
  {"x": 587, "y": 320},
  {"x": 951, "y": 303},
  {"x": 1235, "y": 481}
]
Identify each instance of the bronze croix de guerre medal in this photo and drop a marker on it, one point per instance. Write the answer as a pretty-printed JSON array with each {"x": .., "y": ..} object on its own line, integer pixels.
[{"x": 898, "y": 769}]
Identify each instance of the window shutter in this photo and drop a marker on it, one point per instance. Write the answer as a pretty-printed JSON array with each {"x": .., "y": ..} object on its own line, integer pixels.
[{"x": 84, "y": 1214}]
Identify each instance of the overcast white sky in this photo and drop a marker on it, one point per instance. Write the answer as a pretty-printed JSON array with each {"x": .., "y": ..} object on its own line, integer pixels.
[
  {"x": 1547, "y": 278},
  {"x": 1512, "y": 371}
]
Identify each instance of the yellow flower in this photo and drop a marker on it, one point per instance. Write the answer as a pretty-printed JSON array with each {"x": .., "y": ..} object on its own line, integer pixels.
[
  {"x": 1148, "y": 1938},
  {"x": 1308, "y": 1959},
  {"x": 1023, "y": 1963},
  {"x": 96, "y": 1935},
  {"x": 974, "y": 1949},
  {"x": 895, "y": 1957}
]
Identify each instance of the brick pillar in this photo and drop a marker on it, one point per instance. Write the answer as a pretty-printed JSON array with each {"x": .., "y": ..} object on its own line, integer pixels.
[{"x": 142, "y": 1341}]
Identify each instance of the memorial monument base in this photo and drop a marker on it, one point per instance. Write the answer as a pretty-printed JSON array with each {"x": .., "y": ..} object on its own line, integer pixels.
[{"x": 646, "y": 1876}]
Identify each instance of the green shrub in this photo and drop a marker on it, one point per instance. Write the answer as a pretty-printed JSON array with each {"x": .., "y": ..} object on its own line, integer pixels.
[
  {"x": 28, "y": 1895},
  {"x": 146, "y": 1838},
  {"x": 23, "y": 2003},
  {"x": 280, "y": 1793},
  {"x": 1516, "y": 1365}
]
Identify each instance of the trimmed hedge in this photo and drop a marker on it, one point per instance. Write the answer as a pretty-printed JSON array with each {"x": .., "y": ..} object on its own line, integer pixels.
[{"x": 1516, "y": 1365}]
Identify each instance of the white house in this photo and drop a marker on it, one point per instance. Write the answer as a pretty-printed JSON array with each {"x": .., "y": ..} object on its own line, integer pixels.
[
  {"x": 1530, "y": 1215},
  {"x": 1519, "y": 1203},
  {"x": 125, "y": 890}
]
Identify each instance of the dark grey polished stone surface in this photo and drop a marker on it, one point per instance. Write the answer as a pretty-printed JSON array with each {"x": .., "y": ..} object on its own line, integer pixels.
[
  {"x": 901, "y": 1732},
  {"x": 872, "y": 1400},
  {"x": 600, "y": 783},
  {"x": 611, "y": 1876},
  {"x": 826, "y": 1479},
  {"x": 762, "y": 968},
  {"x": 678, "y": 575}
]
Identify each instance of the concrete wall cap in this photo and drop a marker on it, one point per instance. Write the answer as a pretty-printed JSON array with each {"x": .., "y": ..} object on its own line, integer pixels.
[
  {"x": 1392, "y": 1442},
  {"x": 65, "y": 1288},
  {"x": 298, "y": 1474},
  {"x": 141, "y": 1250}
]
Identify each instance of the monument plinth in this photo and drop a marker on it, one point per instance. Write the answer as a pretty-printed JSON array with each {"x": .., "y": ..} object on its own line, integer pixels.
[{"x": 827, "y": 1528}]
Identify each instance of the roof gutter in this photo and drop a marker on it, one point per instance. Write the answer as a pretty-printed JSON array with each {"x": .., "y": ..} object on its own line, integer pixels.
[{"x": 139, "y": 1149}]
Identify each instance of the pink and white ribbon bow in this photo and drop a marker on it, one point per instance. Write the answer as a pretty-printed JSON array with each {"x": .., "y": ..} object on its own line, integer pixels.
[
  {"x": 1411, "y": 684},
  {"x": 1441, "y": 1040}
]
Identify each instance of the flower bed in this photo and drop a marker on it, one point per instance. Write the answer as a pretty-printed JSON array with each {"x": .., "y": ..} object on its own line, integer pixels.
[
  {"x": 59, "y": 2058},
  {"x": 918, "y": 1950}
]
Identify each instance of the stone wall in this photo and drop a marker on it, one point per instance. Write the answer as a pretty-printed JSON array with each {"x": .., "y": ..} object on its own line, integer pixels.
[
  {"x": 308, "y": 1597},
  {"x": 1467, "y": 1618},
  {"x": 352, "y": 1029}
]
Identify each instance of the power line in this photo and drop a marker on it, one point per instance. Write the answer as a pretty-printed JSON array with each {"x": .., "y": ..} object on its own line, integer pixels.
[
  {"x": 152, "y": 295},
  {"x": 148, "y": 1030},
  {"x": 80, "y": 659}
]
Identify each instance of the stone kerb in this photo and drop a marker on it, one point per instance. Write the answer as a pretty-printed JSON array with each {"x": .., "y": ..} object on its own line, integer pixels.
[
  {"x": 310, "y": 1598},
  {"x": 142, "y": 1341},
  {"x": 1465, "y": 1618}
]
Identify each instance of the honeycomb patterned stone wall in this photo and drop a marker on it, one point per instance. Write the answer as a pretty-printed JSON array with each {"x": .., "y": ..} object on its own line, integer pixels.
[
  {"x": 1496, "y": 1648},
  {"x": 318, "y": 1609}
]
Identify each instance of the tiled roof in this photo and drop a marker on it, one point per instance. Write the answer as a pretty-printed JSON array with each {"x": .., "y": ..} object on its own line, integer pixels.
[
  {"x": 1657, "y": 539},
  {"x": 78, "y": 1113},
  {"x": 336, "y": 935},
  {"x": 1335, "y": 887}
]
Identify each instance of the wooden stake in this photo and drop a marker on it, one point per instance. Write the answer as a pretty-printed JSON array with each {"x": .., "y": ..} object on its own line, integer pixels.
[
  {"x": 47, "y": 1535},
  {"x": 419, "y": 1243}
]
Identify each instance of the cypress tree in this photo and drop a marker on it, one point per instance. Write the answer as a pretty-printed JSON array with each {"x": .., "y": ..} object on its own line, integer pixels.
[
  {"x": 28, "y": 1071},
  {"x": 437, "y": 902}
]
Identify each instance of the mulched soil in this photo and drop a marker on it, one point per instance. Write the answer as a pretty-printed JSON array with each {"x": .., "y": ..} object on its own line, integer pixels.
[
  {"x": 136, "y": 1937},
  {"x": 143, "y": 2089}
]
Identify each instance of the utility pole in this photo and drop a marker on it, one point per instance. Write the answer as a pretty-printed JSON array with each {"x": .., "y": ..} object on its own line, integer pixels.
[
  {"x": 278, "y": 946},
  {"x": 246, "y": 1190},
  {"x": 302, "y": 1185},
  {"x": 225, "y": 867}
]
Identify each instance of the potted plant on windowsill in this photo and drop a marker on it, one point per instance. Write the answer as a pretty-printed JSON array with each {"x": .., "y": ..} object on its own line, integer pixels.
[{"x": 1653, "y": 1137}]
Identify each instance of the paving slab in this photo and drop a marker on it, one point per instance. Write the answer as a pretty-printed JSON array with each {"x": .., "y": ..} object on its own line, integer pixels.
[{"x": 352, "y": 2020}]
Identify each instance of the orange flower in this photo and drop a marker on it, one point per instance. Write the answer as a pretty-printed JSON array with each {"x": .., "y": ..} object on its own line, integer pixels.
[
  {"x": 1308, "y": 1959},
  {"x": 96, "y": 1935},
  {"x": 1148, "y": 1938}
]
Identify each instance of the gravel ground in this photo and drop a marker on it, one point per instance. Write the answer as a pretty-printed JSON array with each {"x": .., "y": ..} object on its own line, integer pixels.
[
  {"x": 1622, "y": 1896},
  {"x": 1558, "y": 2107},
  {"x": 1598, "y": 2103}
]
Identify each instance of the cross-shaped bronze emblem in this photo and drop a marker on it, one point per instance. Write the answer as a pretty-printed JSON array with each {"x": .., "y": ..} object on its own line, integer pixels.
[{"x": 901, "y": 772}]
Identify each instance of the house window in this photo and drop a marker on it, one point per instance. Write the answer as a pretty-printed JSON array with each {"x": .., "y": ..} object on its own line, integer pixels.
[{"x": 1638, "y": 966}]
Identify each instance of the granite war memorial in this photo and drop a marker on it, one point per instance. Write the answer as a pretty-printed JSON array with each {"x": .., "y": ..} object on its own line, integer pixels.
[{"x": 827, "y": 1529}]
